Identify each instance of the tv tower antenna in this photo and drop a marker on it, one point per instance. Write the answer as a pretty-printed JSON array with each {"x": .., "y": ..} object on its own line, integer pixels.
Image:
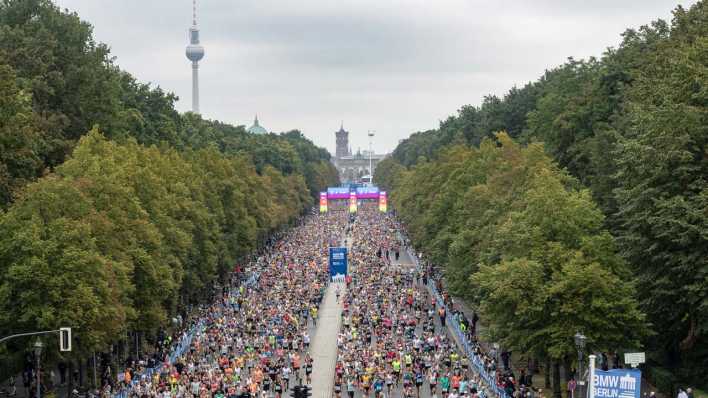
[{"x": 195, "y": 52}]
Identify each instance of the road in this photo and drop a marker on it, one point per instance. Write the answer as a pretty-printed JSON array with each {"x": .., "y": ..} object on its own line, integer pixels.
[{"x": 324, "y": 344}]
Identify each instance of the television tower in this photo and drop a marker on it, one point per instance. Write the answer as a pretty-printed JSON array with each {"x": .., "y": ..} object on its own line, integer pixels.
[{"x": 195, "y": 52}]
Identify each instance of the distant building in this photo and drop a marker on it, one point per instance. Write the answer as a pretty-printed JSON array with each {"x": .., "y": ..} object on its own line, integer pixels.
[
  {"x": 343, "y": 149},
  {"x": 353, "y": 168},
  {"x": 257, "y": 128}
]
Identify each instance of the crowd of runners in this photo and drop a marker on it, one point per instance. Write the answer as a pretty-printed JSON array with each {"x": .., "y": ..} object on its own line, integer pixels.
[
  {"x": 393, "y": 342},
  {"x": 254, "y": 340}
]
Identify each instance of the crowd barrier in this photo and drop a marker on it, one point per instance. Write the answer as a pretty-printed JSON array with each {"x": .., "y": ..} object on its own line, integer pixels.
[
  {"x": 488, "y": 377},
  {"x": 176, "y": 352}
]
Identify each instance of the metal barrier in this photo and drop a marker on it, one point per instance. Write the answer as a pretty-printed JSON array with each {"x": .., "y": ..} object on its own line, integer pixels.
[{"x": 475, "y": 360}]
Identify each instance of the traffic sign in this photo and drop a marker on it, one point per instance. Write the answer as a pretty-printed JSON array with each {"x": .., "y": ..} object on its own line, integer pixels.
[{"x": 634, "y": 358}]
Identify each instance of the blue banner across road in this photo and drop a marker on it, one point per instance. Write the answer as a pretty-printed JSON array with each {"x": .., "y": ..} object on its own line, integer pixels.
[
  {"x": 337, "y": 263},
  {"x": 617, "y": 383}
]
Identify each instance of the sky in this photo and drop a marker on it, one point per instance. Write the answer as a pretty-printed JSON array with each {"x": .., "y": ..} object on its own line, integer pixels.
[{"x": 391, "y": 66}]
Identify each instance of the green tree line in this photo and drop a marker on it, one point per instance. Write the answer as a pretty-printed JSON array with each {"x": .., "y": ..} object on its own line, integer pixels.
[
  {"x": 522, "y": 240},
  {"x": 121, "y": 236},
  {"x": 117, "y": 212},
  {"x": 627, "y": 136}
]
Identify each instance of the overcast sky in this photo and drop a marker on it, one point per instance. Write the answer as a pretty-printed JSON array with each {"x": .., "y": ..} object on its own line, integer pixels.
[{"x": 393, "y": 66}]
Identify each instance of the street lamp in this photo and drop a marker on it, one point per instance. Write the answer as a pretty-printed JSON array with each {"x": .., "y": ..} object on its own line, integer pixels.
[
  {"x": 37, "y": 354},
  {"x": 371, "y": 172},
  {"x": 580, "y": 341}
]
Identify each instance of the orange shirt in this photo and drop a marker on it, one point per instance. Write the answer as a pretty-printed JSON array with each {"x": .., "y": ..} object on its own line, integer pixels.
[
  {"x": 456, "y": 381},
  {"x": 258, "y": 375}
]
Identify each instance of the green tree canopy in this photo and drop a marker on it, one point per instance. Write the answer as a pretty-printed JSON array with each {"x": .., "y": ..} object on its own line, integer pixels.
[{"x": 631, "y": 127}]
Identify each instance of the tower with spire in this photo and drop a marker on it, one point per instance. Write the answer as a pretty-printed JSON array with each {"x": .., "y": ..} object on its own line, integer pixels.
[
  {"x": 357, "y": 168},
  {"x": 256, "y": 128},
  {"x": 342, "y": 143},
  {"x": 194, "y": 52}
]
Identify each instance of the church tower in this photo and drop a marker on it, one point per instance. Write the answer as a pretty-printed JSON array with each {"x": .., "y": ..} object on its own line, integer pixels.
[{"x": 342, "y": 143}]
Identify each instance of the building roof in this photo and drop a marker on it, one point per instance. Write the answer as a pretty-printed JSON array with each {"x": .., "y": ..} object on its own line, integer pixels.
[{"x": 257, "y": 128}]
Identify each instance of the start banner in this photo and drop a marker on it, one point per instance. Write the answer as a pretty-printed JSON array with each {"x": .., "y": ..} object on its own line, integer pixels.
[
  {"x": 337, "y": 193},
  {"x": 367, "y": 193}
]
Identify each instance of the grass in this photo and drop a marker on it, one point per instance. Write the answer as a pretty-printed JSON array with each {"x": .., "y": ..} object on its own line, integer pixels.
[{"x": 700, "y": 393}]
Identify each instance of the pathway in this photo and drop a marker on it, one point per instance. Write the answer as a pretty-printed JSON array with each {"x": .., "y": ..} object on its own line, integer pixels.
[{"x": 324, "y": 344}]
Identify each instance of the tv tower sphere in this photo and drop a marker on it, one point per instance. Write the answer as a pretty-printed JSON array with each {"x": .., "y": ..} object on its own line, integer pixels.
[{"x": 195, "y": 52}]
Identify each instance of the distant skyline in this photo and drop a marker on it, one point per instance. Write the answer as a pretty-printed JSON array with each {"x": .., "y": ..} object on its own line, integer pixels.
[{"x": 395, "y": 66}]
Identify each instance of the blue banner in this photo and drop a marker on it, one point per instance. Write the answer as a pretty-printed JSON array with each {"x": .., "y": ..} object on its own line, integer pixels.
[
  {"x": 337, "y": 193},
  {"x": 365, "y": 190},
  {"x": 338, "y": 190},
  {"x": 337, "y": 263},
  {"x": 617, "y": 383}
]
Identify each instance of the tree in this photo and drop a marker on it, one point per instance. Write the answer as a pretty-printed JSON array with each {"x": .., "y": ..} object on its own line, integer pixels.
[
  {"x": 662, "y": 189},
  {"x": 19, "y": 138},
  {"x": 53, "y": 271}
]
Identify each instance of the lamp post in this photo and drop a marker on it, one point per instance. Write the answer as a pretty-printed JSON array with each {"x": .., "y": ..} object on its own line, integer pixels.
[
  {"x": 371, "y": 172},
  {"x": 37, "y": 354},
  {"x": 580, "y": 341}
]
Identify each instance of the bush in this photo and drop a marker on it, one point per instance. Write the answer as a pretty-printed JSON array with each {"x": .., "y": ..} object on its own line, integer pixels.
[{"x": 664, "y": 380}]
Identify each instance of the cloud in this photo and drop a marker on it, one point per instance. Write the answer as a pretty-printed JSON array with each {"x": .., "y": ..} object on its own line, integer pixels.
[{"x": 394, "y": 66}]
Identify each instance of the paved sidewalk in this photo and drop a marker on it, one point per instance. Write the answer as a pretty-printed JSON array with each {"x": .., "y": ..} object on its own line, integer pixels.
[{"x": 324, "y": 344}]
